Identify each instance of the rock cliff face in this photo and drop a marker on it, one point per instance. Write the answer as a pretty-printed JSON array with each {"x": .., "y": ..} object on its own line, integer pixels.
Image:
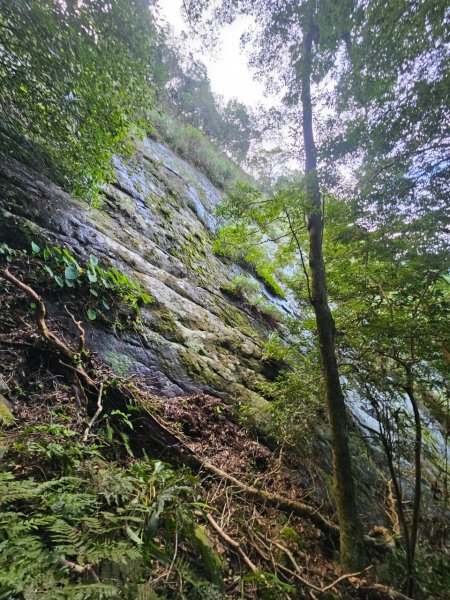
[{"x": 155, "y": 225}]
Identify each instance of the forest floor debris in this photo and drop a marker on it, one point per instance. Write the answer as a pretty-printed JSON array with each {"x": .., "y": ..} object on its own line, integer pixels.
[{"x": 283, "y": 549}]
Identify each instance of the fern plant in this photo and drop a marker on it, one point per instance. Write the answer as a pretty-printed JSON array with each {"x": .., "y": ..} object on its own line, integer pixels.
[{"x": 74, "y": 526}]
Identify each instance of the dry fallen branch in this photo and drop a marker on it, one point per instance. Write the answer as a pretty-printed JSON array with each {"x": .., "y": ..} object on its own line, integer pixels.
[
  {"x": 40, "y": 313},
  {"x": 323, "y": 589},
  {"x": 164, "y": 437},
  {"x": 233, "y": 543},
  {"x": 343, "y": 577},
  {"x": 279, "y": 502},
  {"x": 96, "y": 414}
]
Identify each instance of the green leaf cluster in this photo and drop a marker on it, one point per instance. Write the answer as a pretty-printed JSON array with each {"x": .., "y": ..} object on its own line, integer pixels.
[
  {"x": 107, "y": 291},
  {"x": 390, "y": 290},
  {"x": 256, "y": 231}
]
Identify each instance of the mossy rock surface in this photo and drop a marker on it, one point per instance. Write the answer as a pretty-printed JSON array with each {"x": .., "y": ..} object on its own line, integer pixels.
[{"x": 156, "y": 224}]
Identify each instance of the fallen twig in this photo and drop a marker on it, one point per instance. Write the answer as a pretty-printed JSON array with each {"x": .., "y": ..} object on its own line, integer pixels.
[
  {"x": 233, "y": 543},
  {"x": 343, "y": 577},
  {"x": 312, "y": 585},
  {"x": 285, "y": 504},
  {"x": 96, "y": 414},
  {"x": 296, "y": 573}
]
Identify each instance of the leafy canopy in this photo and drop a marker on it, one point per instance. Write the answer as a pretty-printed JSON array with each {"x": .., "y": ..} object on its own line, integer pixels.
[{"x": 73, "y": 77}]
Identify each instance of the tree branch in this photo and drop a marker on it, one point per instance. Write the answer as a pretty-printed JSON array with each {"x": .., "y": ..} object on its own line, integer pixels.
[{"x": 231, "y": 543}]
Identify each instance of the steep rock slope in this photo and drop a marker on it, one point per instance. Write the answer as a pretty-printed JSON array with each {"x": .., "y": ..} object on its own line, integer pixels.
[{"x": 155, "y": 225}]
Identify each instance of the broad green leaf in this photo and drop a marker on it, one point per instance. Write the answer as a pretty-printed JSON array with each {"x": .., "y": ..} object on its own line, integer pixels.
[
  {"x": 49, "y": 271},
  {"x": 133, "y": 536},
  {"x": 71, "y": 272},
  {"x": 35, "y": 248},
  {"x": 92, "y": 276}
]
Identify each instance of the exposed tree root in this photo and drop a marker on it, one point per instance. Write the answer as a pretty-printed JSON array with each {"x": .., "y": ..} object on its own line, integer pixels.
[
  {"x": 82, "y": 333},
  {"x": 48, "y": 335}
]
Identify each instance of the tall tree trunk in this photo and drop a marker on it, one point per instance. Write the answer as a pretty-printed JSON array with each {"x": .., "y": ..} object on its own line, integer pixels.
[{"x": 351, "y": 543}]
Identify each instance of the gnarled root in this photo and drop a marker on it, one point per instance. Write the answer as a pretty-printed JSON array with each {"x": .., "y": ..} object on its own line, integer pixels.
[{"x": 45, "y": 332}]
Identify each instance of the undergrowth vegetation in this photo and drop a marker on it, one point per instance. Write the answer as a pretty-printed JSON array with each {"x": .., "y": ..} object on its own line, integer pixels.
[
  {"x": 73, "y": 525},
  {"x": 109, "y": 295},
  {"x": 245, "y": 238},
  {"x": 297, "y": 393},
  {"x": 87, "y": 508}
]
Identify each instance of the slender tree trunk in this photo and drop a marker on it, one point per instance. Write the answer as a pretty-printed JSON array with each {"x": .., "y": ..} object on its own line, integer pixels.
[
  {"x": 399, "y": 502},
  {"x": 385, "y": 436},
  {"x": 418, "y": 477},
  {"x": 447, "y": 432},
  {"x": 351, "y": 544}
]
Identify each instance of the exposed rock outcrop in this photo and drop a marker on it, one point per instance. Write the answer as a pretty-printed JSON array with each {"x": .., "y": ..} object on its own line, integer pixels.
[{"x": 156, "y": 225}]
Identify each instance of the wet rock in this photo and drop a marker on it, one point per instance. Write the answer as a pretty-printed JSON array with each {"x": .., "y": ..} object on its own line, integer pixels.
[{"x": 156, "y": 225}]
